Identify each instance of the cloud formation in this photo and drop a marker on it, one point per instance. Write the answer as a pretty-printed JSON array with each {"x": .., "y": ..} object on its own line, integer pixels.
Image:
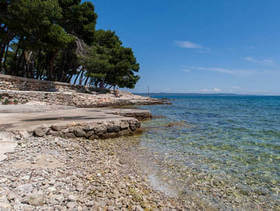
[
  {"x": 259, "y": 61},
  {"x": 188, "y": 44},
  {"x": 219, "y": 70}
]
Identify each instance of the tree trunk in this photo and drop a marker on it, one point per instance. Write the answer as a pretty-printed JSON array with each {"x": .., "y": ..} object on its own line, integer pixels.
[
  {"x": 81, "y": 78},
  {"x": 77, "y": 77},
  {"x": 86, "y": 81},
  {"x": 51, "y": 66},
  {"x": 5, "y": 58}
]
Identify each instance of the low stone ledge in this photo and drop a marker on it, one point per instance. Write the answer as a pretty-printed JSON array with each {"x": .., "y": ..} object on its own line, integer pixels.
[
  {"x": 139, "y": 114},
  {"x": 80, "y": 100},
  {"x": 90, "y": 130}
]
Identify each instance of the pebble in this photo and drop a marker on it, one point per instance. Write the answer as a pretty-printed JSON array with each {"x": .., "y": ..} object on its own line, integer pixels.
[
  {"x": 81, "y": 178},
  {"x": 71, "y": 205}
]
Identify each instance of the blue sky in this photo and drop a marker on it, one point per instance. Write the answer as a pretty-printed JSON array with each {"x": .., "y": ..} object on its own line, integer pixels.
[{"x": 207, "y": 46}]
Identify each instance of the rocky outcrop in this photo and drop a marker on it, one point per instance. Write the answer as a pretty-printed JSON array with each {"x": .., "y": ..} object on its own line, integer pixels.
[
  {"x": 8, "y": 82},
  {"x": 91, "y": 130},
  {"x": 81, "y": 100}
]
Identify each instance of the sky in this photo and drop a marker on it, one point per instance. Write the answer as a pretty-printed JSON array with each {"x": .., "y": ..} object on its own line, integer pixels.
[{"x": 204, "y": 46}]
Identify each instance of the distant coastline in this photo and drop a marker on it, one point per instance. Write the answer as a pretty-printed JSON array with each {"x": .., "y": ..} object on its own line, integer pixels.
[{"x": 200, "y": 94}]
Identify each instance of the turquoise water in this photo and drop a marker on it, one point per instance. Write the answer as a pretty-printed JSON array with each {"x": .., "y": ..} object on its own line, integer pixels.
[{"x": 224, "y": 150}]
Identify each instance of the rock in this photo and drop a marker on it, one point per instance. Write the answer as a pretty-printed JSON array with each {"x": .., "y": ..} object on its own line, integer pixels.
[
  {"x": 25, "y": 189},
  {"x": 53, "y": 133},
  {"x": 4, "y": 203},
  {"x": 90, "y": 127},
  {"x": 11, "y": 196},
  {"x": 109, "y": 135},
  {"x": 36, "y": 199},
  {"x": 58, "y": 127},
  {"x": 110, "y": 208},
  {"x": 71, "y": 205},
  {"x": 69, "y": 135},
  {"x": 5, "y": 206},
  {"x": 113, "y": 129},
  {"x": 133, "y": 125},
  {"x": 90, "y": 203},
  {"x": 59, "y": 198},
  {"x": 52, "y": 189},
  {"x": 79, "y": 187},
  {"x": 138, "y": 208},
  {"x": 72, "y": 198},
  {"x": 40, "y": 132},
  {"x": 93, "y": 137},
  {"x": 24, "y": 134},
  {"x": 90, "y": 133},
  {"x": 100, "y": 129},
  {"x": 124, "y": 125},
  {"x": 79, "y": 132}
]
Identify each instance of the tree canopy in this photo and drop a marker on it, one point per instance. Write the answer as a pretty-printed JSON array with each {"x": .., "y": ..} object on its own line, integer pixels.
[{"x": 56, "y": 40}]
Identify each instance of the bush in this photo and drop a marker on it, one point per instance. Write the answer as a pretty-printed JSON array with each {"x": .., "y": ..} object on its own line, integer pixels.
[{"x": 6, "y": 101}]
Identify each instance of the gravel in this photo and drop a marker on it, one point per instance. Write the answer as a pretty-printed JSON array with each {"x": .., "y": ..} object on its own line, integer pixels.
[{"x": 52, "y": 173}]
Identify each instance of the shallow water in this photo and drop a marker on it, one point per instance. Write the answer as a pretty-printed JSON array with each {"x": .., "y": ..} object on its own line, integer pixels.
[{"x": 222, "y": 150}]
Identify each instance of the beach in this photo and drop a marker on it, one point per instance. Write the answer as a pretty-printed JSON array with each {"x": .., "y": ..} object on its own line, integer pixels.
[
  {"x": 42, "y": 169},
  {"x": 188, "y": 155}
]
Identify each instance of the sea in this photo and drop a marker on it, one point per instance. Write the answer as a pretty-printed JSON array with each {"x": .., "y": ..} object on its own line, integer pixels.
[{"x": 222, "y": 151}]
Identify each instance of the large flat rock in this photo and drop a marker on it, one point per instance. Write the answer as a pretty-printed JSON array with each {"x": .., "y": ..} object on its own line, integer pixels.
[
  {"x": 32, "y": 120},
  {"x": 70, "y": 122}
]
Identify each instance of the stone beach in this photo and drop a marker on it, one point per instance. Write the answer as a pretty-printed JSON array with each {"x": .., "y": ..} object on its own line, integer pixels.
[
  {"x": 52, "y": 173},
  {"x": 56, "y": 156}
]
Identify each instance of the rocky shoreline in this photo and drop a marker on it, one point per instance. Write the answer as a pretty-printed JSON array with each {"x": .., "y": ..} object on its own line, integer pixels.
[
  {"x": 77, "y": 99},
  {"x": 78, "y": 167},
  {"x": 53, "y": 173}
]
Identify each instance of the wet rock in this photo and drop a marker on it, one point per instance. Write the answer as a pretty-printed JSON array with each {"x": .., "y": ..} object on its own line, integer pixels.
[
  {"x": 109, "y": 135},
  {"x": 133, "y": 125}
]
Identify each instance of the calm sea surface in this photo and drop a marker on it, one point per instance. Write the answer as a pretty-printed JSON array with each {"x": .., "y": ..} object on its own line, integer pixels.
[{"x": 221, "y": 150}]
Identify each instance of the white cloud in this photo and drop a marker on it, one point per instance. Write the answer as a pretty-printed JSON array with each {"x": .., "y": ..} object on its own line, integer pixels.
[
  {"x": 259, "y": 61},
  {"x": 219, "y": 70},
  {"x": 188, "y": 44},
  {"x": 187, "y": 70},
  {"x": 216, "y": 90}
]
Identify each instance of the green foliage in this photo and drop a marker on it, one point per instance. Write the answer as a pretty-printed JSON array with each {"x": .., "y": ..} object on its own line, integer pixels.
[
  {"x": 56, "y": 40},
  {"x": 6, "y": 101},
  {"x": 109, "y": 63}
]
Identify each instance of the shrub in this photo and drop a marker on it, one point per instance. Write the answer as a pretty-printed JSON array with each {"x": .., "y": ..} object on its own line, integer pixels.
[{"x": 6, "y": 101}]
